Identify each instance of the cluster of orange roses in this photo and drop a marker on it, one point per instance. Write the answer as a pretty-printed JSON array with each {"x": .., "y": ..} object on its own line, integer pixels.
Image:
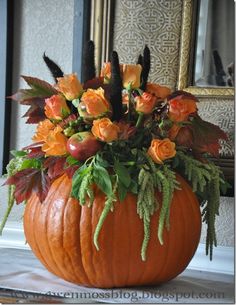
[{"x": 94, "y": 108}]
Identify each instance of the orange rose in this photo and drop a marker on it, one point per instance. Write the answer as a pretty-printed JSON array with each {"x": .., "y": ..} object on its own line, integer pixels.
[
  {"x": 42, "y": 131},
  {"x": 145, "y": 103},
  {"x": 105, "y": 130},
  {"x": 56, "y": 107},
  {"x": 161, "y": 92},
  {"x": 93, "y": 103},
  {"x": 106, "y": 70},
  {"x": 70, "y": 86},
  {"x": 131, "y": 75},
  {"x": 161, "y": 150},
  {"x": 55, "y": 143},
  {"x": 180, "y": 109}
]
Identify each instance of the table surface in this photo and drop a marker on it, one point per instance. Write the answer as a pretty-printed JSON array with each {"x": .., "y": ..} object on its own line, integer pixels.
[{"x": 24, "y": 279}]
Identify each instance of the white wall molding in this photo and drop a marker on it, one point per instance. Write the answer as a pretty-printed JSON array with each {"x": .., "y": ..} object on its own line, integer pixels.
[
  {"x": 13, "y": 236},
  {"x": 222, "y": 262},
  {"x": 223, "y": 257}
]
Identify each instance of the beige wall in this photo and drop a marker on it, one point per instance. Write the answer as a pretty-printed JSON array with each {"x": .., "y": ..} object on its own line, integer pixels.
[{"x": 40, "y": 26}]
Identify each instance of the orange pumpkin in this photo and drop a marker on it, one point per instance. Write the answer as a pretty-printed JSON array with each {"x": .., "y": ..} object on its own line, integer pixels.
[{"x": 60, "y": 233}]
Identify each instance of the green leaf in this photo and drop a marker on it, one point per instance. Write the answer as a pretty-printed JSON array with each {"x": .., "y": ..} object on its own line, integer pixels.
[
  {"x": 77, "y": 180},
  {"x": 123, "y": 173},
  {"x": 75, "y": 102},
  {"x": 102, "y": 179},
  {"x": 72, "y": 161},
  {"x": 30, "y": 163},
  {"x": 42, "y": 88},
  {"x": 18, "y": 153},
  {"x": 122, "y": 191},
  {"x": 224, "y": 186},
  {"x": 100, "y": 161},
  {"x": 133, "y": 187}
]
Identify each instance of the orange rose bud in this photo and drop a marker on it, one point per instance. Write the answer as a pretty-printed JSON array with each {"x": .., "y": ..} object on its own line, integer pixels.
[
  {"x": 42, "y": 131},
  {"x": 181, "y": 108},
  {"x": 105, "y": 130},
  {"x": 106, "y": 70},
  {"x": 145, "y": 103},
  {"x": 55, "y": 143},
  {"x": 70, "y": 86},
  {"x": 131, "y": 76},
  {"x": 56, "y": 107},
  {"x": 161, "y": 92},
  {"x": 93, "y": 103},
  {"x": 161, "y": 150}
]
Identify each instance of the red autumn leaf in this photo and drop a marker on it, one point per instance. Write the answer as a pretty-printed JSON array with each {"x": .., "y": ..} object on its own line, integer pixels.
[
  {"x": 180, "y": 94},
  {"x": 33, "y": 145},
  {"x": 185, "y": 137},
  {"x": 43, "y": 88},
  {"x": 35, "y": 152},
  {"x": 71, "y": 170},
  {"x": 94, "y": 83},
  {"x": 206, "y": 136},
  {"x": 35, "y": 114},
  {"x": 55, "y": 166},
  {"x": 70, "y": 118},
  {"x": 29, "y": 181}
]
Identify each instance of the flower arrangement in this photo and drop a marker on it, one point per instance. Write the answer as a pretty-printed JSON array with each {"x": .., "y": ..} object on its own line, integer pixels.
[{"x": 121, "y": 133}]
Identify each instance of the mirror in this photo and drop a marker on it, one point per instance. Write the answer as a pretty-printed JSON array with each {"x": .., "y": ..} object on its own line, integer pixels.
[
  {"x": 214, "y": 51},
  {"x": 206, "y": 66}
]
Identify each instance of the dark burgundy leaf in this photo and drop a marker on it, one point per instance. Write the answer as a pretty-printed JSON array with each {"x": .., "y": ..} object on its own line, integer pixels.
[
  {"x": 206, "y": 136},
  {"x": 29, "y": 181},
  {"x": 180, "y": 94},
  {"x": 33, "y": 145},
  {"x": 35, "y": 115},
  {"x": 55, "y": 166},
  {"x": 35, "y": 152},
  {"x": 70, "y": 118},
  {"x": 40, "y": 85},
  {"x": 71, "y": 170}
]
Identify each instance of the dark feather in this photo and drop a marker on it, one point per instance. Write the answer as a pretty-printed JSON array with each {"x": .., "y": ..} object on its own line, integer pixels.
[
  {"x": 116, "y": 87},
  {"x": 146, "y": 67},
  {"x": 140, "y": 60},
  {"x": 53, "y": 67},
  {"x": 89, "y": 71}
]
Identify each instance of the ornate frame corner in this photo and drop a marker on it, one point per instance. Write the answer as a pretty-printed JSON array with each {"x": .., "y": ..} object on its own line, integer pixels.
[{"x": 186, "y": 40}]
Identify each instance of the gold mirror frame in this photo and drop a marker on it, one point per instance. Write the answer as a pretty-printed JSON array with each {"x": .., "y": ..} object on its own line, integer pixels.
[{"x": 186, "y": 42}]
